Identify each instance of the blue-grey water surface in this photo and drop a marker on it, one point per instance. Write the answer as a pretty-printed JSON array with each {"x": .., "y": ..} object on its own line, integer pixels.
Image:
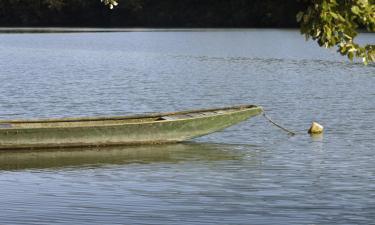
[{"x": 251, "y": 173}]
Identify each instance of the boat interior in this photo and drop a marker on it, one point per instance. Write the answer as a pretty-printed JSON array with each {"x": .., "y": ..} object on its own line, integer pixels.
[{"x": 116, "y": 120}]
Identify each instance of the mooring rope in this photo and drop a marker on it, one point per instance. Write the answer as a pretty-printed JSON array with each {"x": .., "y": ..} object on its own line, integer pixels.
[{"x": 279, "y": 126}]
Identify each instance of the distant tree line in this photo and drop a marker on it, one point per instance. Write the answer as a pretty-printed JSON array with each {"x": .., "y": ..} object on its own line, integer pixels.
[{"x": 151, "y": 13}]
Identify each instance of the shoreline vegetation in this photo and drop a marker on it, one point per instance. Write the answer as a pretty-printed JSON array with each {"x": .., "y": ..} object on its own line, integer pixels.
[
  {"x": 4, "y": 30},
  {"x": 140, "y": 29},
  {"x": 150, "y": 13}
]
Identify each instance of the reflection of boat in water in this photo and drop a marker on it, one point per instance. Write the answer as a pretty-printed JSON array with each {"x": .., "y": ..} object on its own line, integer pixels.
[
  {"x": 72, "y": 157},
  {"x": 122, "y": 130}
]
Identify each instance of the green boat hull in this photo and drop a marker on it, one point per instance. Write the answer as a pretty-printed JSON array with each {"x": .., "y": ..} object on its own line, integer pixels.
[{"x": 131, "y": 130}]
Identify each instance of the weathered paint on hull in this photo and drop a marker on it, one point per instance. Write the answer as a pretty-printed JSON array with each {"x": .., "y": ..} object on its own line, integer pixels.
[{"x": 164, "y": 131}]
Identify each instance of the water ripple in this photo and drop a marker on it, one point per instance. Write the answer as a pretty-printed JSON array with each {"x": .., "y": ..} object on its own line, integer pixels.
[{"x": 255, "y": 174}]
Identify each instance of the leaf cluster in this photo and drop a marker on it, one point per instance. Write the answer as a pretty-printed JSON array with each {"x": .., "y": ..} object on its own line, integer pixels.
[{"x": 336, "y": 23}]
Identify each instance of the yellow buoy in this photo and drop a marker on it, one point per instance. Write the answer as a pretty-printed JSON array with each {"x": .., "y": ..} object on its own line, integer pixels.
[{"x": 316, "y": 128}]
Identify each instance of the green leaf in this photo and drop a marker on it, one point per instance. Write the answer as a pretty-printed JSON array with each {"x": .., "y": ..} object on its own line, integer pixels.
[
  {"x": 299, "y": 16},
  {"x": 372, "y": 56},
  {"x": 350, "y": 55},
  {"x": 334, "y": 15},
  {"x": 356, "y": 10}
]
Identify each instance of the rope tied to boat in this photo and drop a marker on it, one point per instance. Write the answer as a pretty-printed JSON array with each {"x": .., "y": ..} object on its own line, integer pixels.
[{"x": 278, "y": 125}]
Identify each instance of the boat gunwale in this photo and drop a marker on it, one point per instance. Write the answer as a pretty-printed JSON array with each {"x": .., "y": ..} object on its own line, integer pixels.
[
  {"x": 238, "y": 108},
  {"x": 136, "y": 116}
]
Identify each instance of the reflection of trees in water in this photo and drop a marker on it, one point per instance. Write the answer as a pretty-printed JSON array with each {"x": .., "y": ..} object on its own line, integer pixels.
[{"x": 118, "y": 155}]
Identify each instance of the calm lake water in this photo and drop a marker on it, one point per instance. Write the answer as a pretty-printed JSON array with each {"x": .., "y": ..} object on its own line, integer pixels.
[{"x": 251, "y": 173}]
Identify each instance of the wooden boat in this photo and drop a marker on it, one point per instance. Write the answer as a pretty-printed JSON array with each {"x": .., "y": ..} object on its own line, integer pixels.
[{"x": 120, "y": 130}]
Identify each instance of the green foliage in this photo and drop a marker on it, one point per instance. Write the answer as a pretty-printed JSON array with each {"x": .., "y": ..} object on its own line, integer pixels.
[{"x": 336, "y": 23}]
